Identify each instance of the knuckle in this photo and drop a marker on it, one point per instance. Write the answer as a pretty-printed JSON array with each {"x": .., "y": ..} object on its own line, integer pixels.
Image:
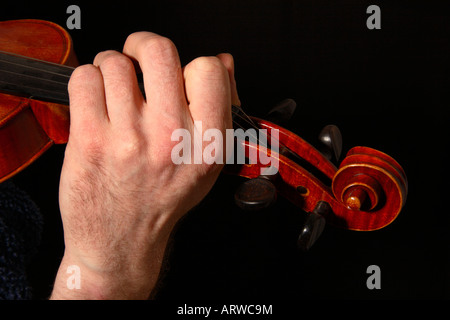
[
  {"x": 82, "y": 75},
  {"x": 212, "y": 66},
  {"x": 116, "y": 62},
  {"x": 226, "y": 57},
  {"x": 129, "y": 148},
  {"x": 160, "y": 48}
]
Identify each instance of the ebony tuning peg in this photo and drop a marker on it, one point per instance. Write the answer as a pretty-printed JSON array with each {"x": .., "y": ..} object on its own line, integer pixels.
[
  {"x": 331, "y": 138},
  {"x": 256, "y": 194},
  {"x": 282, "y": 112},
  {"x": 313, "y": 226}
]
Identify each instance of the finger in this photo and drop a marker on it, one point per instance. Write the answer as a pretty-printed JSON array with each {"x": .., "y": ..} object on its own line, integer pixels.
[
  {"x": 207, "y": 86},
  {"x": 163, "y": 82},
  {"x": 124, "y": 101},
  {"x": 87, "y": 102},
  {"x": 228, "y": 61}
]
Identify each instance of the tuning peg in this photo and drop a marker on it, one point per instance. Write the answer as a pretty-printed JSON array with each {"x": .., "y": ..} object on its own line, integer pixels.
[
  {"x": 256, "y": 194},
  {"x": 282, "y": 112},
  {"x": 313, "y": 226},
  {"x": 331, "y": 138}
]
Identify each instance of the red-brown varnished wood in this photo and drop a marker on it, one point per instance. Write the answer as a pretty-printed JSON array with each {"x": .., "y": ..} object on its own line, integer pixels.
[
  {"x": 22, "y": 139},
  {"x": 39, "y": 39},
  {"x": 53, "y": 118},
  {"x": 366, "y": 170},
  {"x": 300, "y": 147},
  {"x": 29, "y": 127}
]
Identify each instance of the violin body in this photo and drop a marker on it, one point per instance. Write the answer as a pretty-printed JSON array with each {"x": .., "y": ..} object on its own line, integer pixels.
[
  {"x": 366, "y": 192},
  {"x": 28, "y": 127}
]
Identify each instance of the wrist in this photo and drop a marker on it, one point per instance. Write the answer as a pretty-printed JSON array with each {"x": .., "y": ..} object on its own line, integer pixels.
[
  {"x": 128, "y": 277},
  {"x": 77, "y": 281}
]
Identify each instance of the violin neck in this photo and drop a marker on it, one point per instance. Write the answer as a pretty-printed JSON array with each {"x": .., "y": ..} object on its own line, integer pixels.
[{"x": 34, "y": 78}]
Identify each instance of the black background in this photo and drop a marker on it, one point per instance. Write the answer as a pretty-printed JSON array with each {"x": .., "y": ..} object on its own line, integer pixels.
[{"x": 386, "y": 89}]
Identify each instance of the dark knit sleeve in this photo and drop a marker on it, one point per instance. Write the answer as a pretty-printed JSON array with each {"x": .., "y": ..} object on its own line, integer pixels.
[{"x": 20, "y": 231}]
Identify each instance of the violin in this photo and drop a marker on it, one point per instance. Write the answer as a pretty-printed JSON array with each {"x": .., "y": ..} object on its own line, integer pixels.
[{"x": 366, "y": 192}]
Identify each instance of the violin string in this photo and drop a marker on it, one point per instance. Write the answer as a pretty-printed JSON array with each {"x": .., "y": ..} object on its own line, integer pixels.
[
  {"x": 38, "y": 71},
  {"x": 265, "y": 143},
  {"x": 36, "y": 64},
  {"x": 283, "y": 149},
  {"x": 33, "y": 89},
  {"x": 33, "y": 78},
  {"x": 241, "y": 114},
  {"x": 236, "y": 123},
  {"x": 12, "y": 88},
  {"x": 244, "y": 116}
]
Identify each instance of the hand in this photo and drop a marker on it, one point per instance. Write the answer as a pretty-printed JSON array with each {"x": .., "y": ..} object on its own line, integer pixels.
[{"x": 120, "y": 192}]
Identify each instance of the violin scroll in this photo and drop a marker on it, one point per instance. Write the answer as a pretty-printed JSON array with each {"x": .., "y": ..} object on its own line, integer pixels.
[
  {"x": 366, "y": 192},
  {"x": 370, "y": 181}
]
